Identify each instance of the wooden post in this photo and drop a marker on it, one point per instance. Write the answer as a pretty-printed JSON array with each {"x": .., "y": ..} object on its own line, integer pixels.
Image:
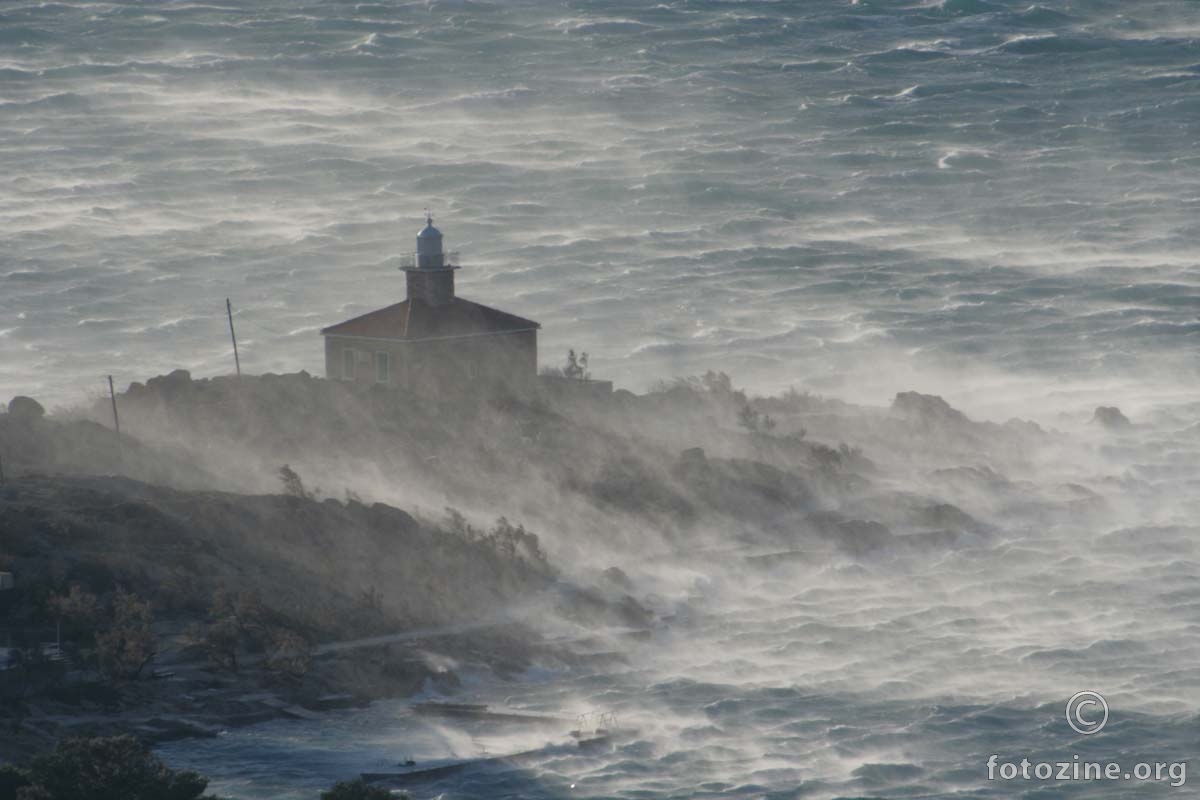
[
  {"x": 112, "y": 395},
  {"x": 237, "y": 362}
]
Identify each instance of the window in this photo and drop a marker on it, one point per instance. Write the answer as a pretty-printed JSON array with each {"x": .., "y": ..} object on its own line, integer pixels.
[
  {"x": 348, "y": 364},
  {"x": 382, "y": 366}
]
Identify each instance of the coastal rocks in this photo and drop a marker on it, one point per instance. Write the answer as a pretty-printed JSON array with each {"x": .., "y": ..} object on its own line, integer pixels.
[
  {"x": 633, "y": 485},
  {"x": 617, "y": 577},
  {"x": 25, "y": 409},
  {"x": 1111, "y": 418},
  {"x": 174, "y": 378},
  {"x": 1024, "y": 427},
  {"x": 934, "y": 429},
  {"x": 972, "y": 478},
  {"x": 171, "y": 386},
  {"x": 855, "y": 536},
  {"x": 742, "y": 488},
  {"x": 929, "y": 409},
  {"x": 590, "y": 605}
]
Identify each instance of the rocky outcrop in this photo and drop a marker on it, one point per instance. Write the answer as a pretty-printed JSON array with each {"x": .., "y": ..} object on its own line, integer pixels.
[
  {"x": 929, "y": 409},
  {"x": 331, "y": 569},
  {"x": 25, "y": 409},
  {"x": 1111, "y": 418}
]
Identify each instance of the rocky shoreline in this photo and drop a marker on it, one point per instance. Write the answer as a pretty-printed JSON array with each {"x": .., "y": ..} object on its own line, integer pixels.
[
  {"x": 179, "y": 544},
  {"x": 185, "y": 699}
]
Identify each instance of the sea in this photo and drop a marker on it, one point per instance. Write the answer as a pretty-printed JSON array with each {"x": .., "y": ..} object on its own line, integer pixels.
[{"x": 990, "y": 200}]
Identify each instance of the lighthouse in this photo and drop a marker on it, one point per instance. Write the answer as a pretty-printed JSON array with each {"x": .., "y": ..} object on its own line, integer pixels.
[{"x": 433, "y": 340}]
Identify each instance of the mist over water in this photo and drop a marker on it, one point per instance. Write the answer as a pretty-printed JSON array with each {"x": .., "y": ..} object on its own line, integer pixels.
[
  {"x": 992, "y": 201},
  {"x": 888, "y": 677}
]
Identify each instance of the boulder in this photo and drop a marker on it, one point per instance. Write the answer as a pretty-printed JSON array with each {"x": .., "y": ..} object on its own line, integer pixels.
[
  {"x": 172, "y": 380},
  {"x": 174, "y": 387},
  {"x": 617, "y": 576},
  {"x": 1110, "y": 417},
  {"x": 926, "y": 409},
  {"x": 25, "y": 409}
]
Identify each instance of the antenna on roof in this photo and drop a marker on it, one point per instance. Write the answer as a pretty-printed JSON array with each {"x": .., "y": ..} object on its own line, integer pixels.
[{"x": 428, "y": 216}]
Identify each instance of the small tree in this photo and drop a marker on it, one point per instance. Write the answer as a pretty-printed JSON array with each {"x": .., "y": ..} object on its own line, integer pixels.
[
  {"x": 577, "y": 366},
  {"x": 456, "y": 522},
  {"x": 237, "y": 618},
  {"x": 239, "y": 621},
  {"x": 289, "y": 656},
  {"x": 76, "y": 612},
  {"x": 116, "y": 768},
  {"x": 370, "y": 600},
  {"x": 755, "y": 421},
  {"x": 359, "y": 790},
  {"x": 129, "y": 644},
  {"x": 516, "y": 542},
  {"x": 293, "y": 486},
  {"x": 717, "y": 383},
  {"x": 222, "y": 642}
]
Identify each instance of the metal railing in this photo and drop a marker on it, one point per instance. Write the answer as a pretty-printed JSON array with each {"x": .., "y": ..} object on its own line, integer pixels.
[{"x": 409, "y": 260}]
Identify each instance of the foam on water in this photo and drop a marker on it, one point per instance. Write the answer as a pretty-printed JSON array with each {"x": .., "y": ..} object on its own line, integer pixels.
[
  {"x": 703, "y": 164},
  {"x": 890, "y": 676}
]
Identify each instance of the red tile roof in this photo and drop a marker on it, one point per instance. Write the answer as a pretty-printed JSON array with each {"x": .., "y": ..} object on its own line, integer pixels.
[{"x": 414, "y": 321}]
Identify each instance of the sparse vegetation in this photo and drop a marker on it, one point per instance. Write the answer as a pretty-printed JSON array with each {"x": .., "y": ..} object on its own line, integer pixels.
[
  {"x": 127, "y": 645},
  {"x": 576, "y": 367},
  {"x": 510, "y": 541},
  {"x": 513, "y": 541},
  {"x": 371, "y": 600},
  {"x": 755, "y": 421},
  {"x": 293, "y": 486},
  {"x": 114, "y": 636},
  {"x": 75, "y": 612},
  {"x": 113, "y": 768},
  {"x": 240, "y": 623},
  {"x": 289, "y": 655},
  {"x": 93, "y": 553},
  {"x": 359, "y": 790},
  {"x": 237, "y": 621}
]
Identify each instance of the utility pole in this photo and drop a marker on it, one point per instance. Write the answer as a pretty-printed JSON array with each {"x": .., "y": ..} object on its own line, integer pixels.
[
  {"x": 112, "y": 395},
  {"x": 237, "y": 362}
]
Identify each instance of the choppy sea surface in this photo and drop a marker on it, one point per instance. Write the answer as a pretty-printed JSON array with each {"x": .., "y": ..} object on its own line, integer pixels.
[
  {"x": 995, "y": 201},
  {"x": 886, "y": 676},
  {"x": 856, "y": 197}
]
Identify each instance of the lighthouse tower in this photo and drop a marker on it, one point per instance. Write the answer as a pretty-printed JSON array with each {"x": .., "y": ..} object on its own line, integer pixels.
[{"x": 431, "y": 279}]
